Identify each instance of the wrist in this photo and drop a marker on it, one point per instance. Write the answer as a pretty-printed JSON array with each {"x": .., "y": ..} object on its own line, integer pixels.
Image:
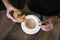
[
  {"x": 9, "y": 7},
  {"x": 6, "y": 3}
]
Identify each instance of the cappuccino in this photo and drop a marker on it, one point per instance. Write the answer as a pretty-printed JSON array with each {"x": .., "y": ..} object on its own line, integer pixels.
[{"x": 30, "y": 23}]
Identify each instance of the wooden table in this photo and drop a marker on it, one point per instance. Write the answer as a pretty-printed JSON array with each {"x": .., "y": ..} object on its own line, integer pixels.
[{"x": 13, "y": 31}]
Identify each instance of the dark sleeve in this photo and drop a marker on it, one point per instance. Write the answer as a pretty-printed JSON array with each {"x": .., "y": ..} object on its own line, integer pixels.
[
  {"x": 45, "y": 8},
  {"x": 2, "y": 7},
  {"x": 19, "y": 4}
]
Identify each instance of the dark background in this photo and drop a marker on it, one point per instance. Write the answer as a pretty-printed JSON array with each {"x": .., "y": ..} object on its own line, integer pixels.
[{"x": 19, "y": 4}]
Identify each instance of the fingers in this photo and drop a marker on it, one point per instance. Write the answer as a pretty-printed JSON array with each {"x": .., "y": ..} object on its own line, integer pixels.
[
  {"x": 47, "y": 27},
  {"x": 10, "y": 17},
  {"x": 20, "y": 19}
]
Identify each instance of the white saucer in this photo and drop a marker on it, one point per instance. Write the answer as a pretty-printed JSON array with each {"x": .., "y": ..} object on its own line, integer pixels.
[{"x": 31, "y": 31}]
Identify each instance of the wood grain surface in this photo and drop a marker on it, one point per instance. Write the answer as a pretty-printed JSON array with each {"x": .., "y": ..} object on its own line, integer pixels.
[{"x": 13, "y": 31}]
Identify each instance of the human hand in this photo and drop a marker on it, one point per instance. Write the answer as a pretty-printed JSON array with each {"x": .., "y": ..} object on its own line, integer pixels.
[
  {"x": 47, "y": 25},
  {"x": 9, "y": 14}
]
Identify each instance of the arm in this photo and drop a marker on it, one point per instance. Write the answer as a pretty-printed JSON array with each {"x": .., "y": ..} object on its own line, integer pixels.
[
  {"x": 6, "y": 3},
  {"x": 51, "y": 22},
  {"x": 11, "y": 8}
]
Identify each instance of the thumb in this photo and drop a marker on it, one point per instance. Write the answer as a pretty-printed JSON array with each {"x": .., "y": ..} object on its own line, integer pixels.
[{"x": 8, "y": 15}]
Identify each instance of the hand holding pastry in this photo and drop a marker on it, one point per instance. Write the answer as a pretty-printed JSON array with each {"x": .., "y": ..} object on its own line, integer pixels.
[{"x": 19, "y": 16}]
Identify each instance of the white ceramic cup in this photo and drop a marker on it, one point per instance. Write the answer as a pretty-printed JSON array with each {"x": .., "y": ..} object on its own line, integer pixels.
[{"x": 35, "y": 29}]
